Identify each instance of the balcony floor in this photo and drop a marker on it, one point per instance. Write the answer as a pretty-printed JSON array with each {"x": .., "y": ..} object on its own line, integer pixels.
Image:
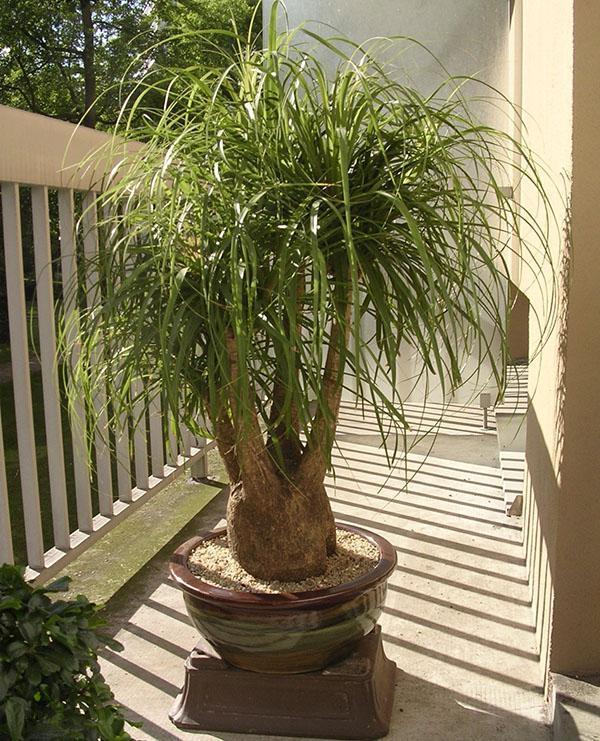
[{"x": 458, "y": 620}]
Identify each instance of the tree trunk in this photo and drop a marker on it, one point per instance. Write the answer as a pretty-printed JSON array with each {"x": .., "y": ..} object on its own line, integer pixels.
[
  {"x": 89, "y": 72},
  {"x": 283, "y": 534},
  {"x": 280, "y": 525}
]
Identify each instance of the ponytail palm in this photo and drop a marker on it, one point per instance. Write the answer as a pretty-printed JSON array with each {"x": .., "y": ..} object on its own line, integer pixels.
[{"x": 273, "y": 210}]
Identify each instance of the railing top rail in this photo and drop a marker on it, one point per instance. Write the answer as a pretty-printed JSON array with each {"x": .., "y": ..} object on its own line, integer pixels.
[{"x": 38, "y": 150}]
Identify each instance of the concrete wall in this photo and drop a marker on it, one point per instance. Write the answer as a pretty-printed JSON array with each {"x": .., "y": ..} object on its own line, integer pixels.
[
  {"x": 467, "y": 36},
  {"x": 463, "y": 37},
  {"x": 561, "y": 59},
  {"x": 518, "y": 325},
  {"x": 576, "y": 626}
]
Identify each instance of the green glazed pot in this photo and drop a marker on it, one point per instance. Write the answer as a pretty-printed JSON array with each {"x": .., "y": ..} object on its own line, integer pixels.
[{"x": 285, "y": 633}]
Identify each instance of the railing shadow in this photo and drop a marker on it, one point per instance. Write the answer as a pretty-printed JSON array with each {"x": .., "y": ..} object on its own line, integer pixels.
[
  {"x": 471, "y": 596},
  {"x": 423, "y": 711},
  {"x": 428, "y": 711}
]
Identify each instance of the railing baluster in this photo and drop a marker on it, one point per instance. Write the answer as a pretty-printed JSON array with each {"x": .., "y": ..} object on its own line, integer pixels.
[
  {"x": 123, "y": 460},
  {"x": 17, "y": 313},
  {"x": 200, "y": 466},
  {"x": 172, "y": 452},
  {"x": 30, "y": 140},
  {"x": 68, "y": 257},
  {"x": 121, "y": 430},
  {"x": 156, "y": 437},
  {"x": 140, "y": 441},
  {"x": 6, "y": 549},
  {"x": 93, "y": 297},
  {"x": 188, "y": 441},
  {"x": 47, "y": 334}
]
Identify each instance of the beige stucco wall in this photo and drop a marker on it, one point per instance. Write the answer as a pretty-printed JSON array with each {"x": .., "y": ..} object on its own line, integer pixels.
[
  {"x": 518, "y": 325},
  {"x": 576, "y": 625},
  {"x": 546, "y": 100},
  {"x": 561, "y": 60}
]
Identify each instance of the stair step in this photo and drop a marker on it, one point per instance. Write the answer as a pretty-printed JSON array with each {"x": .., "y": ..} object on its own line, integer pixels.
[
  {"x": 576, "y": 708},
  {"x": 512, "y": 467}
]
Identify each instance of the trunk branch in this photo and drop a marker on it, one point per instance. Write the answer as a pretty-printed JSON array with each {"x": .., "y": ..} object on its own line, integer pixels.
[
  {"x": 225, "y": 437},
  {"x": 315, "y": 460},
  {"x": 284, "y": 440},
  {"x": 285, "y": 434},
  {"x": 250, "y": 449}
]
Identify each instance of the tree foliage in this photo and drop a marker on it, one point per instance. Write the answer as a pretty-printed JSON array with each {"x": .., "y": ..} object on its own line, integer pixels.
[
  {"x": 183, "y": 20},
  {"x": 42, "y": 56},
  {"x": 46, "y": 66}
]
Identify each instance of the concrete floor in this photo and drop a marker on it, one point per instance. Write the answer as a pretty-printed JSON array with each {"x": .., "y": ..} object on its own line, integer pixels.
[{"x": 458, "y": 621}]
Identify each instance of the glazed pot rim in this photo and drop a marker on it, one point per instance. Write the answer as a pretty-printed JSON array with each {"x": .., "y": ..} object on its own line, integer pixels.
[{"x": 204, "y": 591}]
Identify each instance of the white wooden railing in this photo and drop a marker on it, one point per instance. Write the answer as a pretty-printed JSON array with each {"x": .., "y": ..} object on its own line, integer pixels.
[{"x": 40, "y": 157}]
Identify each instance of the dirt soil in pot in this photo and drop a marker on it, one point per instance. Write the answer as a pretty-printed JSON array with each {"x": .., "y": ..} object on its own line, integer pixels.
[{"x": 213, "y": 562}]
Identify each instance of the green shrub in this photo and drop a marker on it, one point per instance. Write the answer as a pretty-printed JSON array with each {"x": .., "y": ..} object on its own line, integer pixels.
[{"x": 50, "y": 681}]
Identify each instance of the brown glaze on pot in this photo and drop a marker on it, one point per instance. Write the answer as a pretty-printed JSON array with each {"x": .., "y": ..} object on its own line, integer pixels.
[{"x": 285, "y": 632}]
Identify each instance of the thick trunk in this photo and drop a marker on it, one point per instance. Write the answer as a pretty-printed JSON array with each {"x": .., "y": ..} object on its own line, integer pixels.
[
  {"x": 279, "y": 520},
  {"x": 283, "y": 534}
]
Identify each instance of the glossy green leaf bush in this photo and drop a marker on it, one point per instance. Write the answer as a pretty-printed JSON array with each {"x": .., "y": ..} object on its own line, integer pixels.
[{"x": 50, "y": 681}]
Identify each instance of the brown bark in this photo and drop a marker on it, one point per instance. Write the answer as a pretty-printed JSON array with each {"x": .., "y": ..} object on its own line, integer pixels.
[
  {"x": 315, "y": 460},
  {"x": 277, "y": 530},
  {"x": 284, "y": 440},
  {"x": 279, "y": 534},
  {"x": 89, "y": 72},
  {"x": 225, "y": 438},
  {"x": 250, "y": 449}
]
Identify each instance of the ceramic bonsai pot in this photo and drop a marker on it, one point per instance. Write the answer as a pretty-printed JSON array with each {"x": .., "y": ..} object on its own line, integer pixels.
[{"x": 285, "y": 633}]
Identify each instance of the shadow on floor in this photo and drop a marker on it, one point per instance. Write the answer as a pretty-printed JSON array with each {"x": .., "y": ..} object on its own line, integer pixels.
[{"x": 458, "y": 619}]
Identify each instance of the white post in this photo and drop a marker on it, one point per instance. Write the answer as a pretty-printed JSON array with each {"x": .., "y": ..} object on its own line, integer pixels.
[
  {"x": 200, "y": 465},
  {"x": 140, "y": 440},
  {"x": 68, "y": 262},
  {"x": 47, "y": 333},
  {"x": 103, "y": 463},
  {"x": 6, "y": 549},
  {"x": 172, "y": 452},
  {"x": 156, "y": 437},
  {"x": 121, "y": 426},
  {"x": 17, "y": 313}
]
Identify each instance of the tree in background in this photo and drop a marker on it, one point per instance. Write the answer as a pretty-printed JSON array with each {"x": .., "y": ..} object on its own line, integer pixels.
[
  {"x": 56, "y": 59},
  {"x": 61, "y": 59},
  {"x": 179, "y": 19},
  {"x": 66, "y": 59}
]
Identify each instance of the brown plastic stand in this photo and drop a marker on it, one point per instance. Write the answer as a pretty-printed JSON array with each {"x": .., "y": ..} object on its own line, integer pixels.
[{"x": 349, "y": 700}]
